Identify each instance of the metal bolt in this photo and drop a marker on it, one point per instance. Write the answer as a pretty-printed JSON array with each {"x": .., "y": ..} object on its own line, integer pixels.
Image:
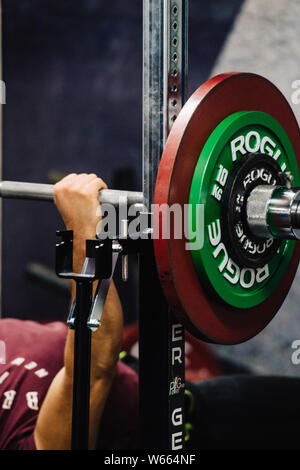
[{"x": 124, "y": 233}]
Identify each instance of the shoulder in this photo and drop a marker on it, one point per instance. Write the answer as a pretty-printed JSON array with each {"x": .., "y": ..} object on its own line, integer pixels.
[
  {"x": 32, "y": 355},
  {"x": 29, "y": 338}
]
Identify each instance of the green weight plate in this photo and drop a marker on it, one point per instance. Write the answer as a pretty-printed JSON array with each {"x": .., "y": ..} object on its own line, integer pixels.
[{"x": 237, "y": 136}]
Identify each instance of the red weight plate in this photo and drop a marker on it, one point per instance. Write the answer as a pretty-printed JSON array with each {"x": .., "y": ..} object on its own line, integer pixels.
[{"x": 205, "y": 316}]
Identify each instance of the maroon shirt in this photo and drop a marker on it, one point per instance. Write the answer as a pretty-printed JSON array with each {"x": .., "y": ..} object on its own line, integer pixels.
[{"x": 33, "y": 354}]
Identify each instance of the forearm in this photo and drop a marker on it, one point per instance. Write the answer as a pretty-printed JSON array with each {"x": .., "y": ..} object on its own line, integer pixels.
[
  {"x": 76, "y": 197},
  {"x": 106, "y": 341},
  {"x": 54, "y": 425}
]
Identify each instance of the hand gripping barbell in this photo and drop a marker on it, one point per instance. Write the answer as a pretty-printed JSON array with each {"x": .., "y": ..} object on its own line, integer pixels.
[{"x": 234, "y": 149}]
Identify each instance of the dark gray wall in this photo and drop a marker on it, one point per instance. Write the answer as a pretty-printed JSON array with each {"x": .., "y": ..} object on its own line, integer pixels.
[{"x": 73, "y": 72}]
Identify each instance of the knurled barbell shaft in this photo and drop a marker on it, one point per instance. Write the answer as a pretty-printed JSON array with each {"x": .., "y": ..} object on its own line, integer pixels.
[
  {"x": 44, "y": 192},
  {"x": 274, "y": 211}
]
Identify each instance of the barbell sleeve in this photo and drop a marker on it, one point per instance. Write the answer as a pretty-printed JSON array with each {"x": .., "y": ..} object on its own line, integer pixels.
[
  {"x": 44, "y": 192},
  {"x": 274, "y": 211}
]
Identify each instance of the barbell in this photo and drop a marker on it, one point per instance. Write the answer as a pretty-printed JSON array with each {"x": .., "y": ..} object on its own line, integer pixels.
[
  {"x": 233, "y": 150},
  {"x": 45, "y": 192}
]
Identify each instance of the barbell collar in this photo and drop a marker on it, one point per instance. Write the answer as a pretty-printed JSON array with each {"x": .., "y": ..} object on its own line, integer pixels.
[{"x": 45, "y": 192}]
